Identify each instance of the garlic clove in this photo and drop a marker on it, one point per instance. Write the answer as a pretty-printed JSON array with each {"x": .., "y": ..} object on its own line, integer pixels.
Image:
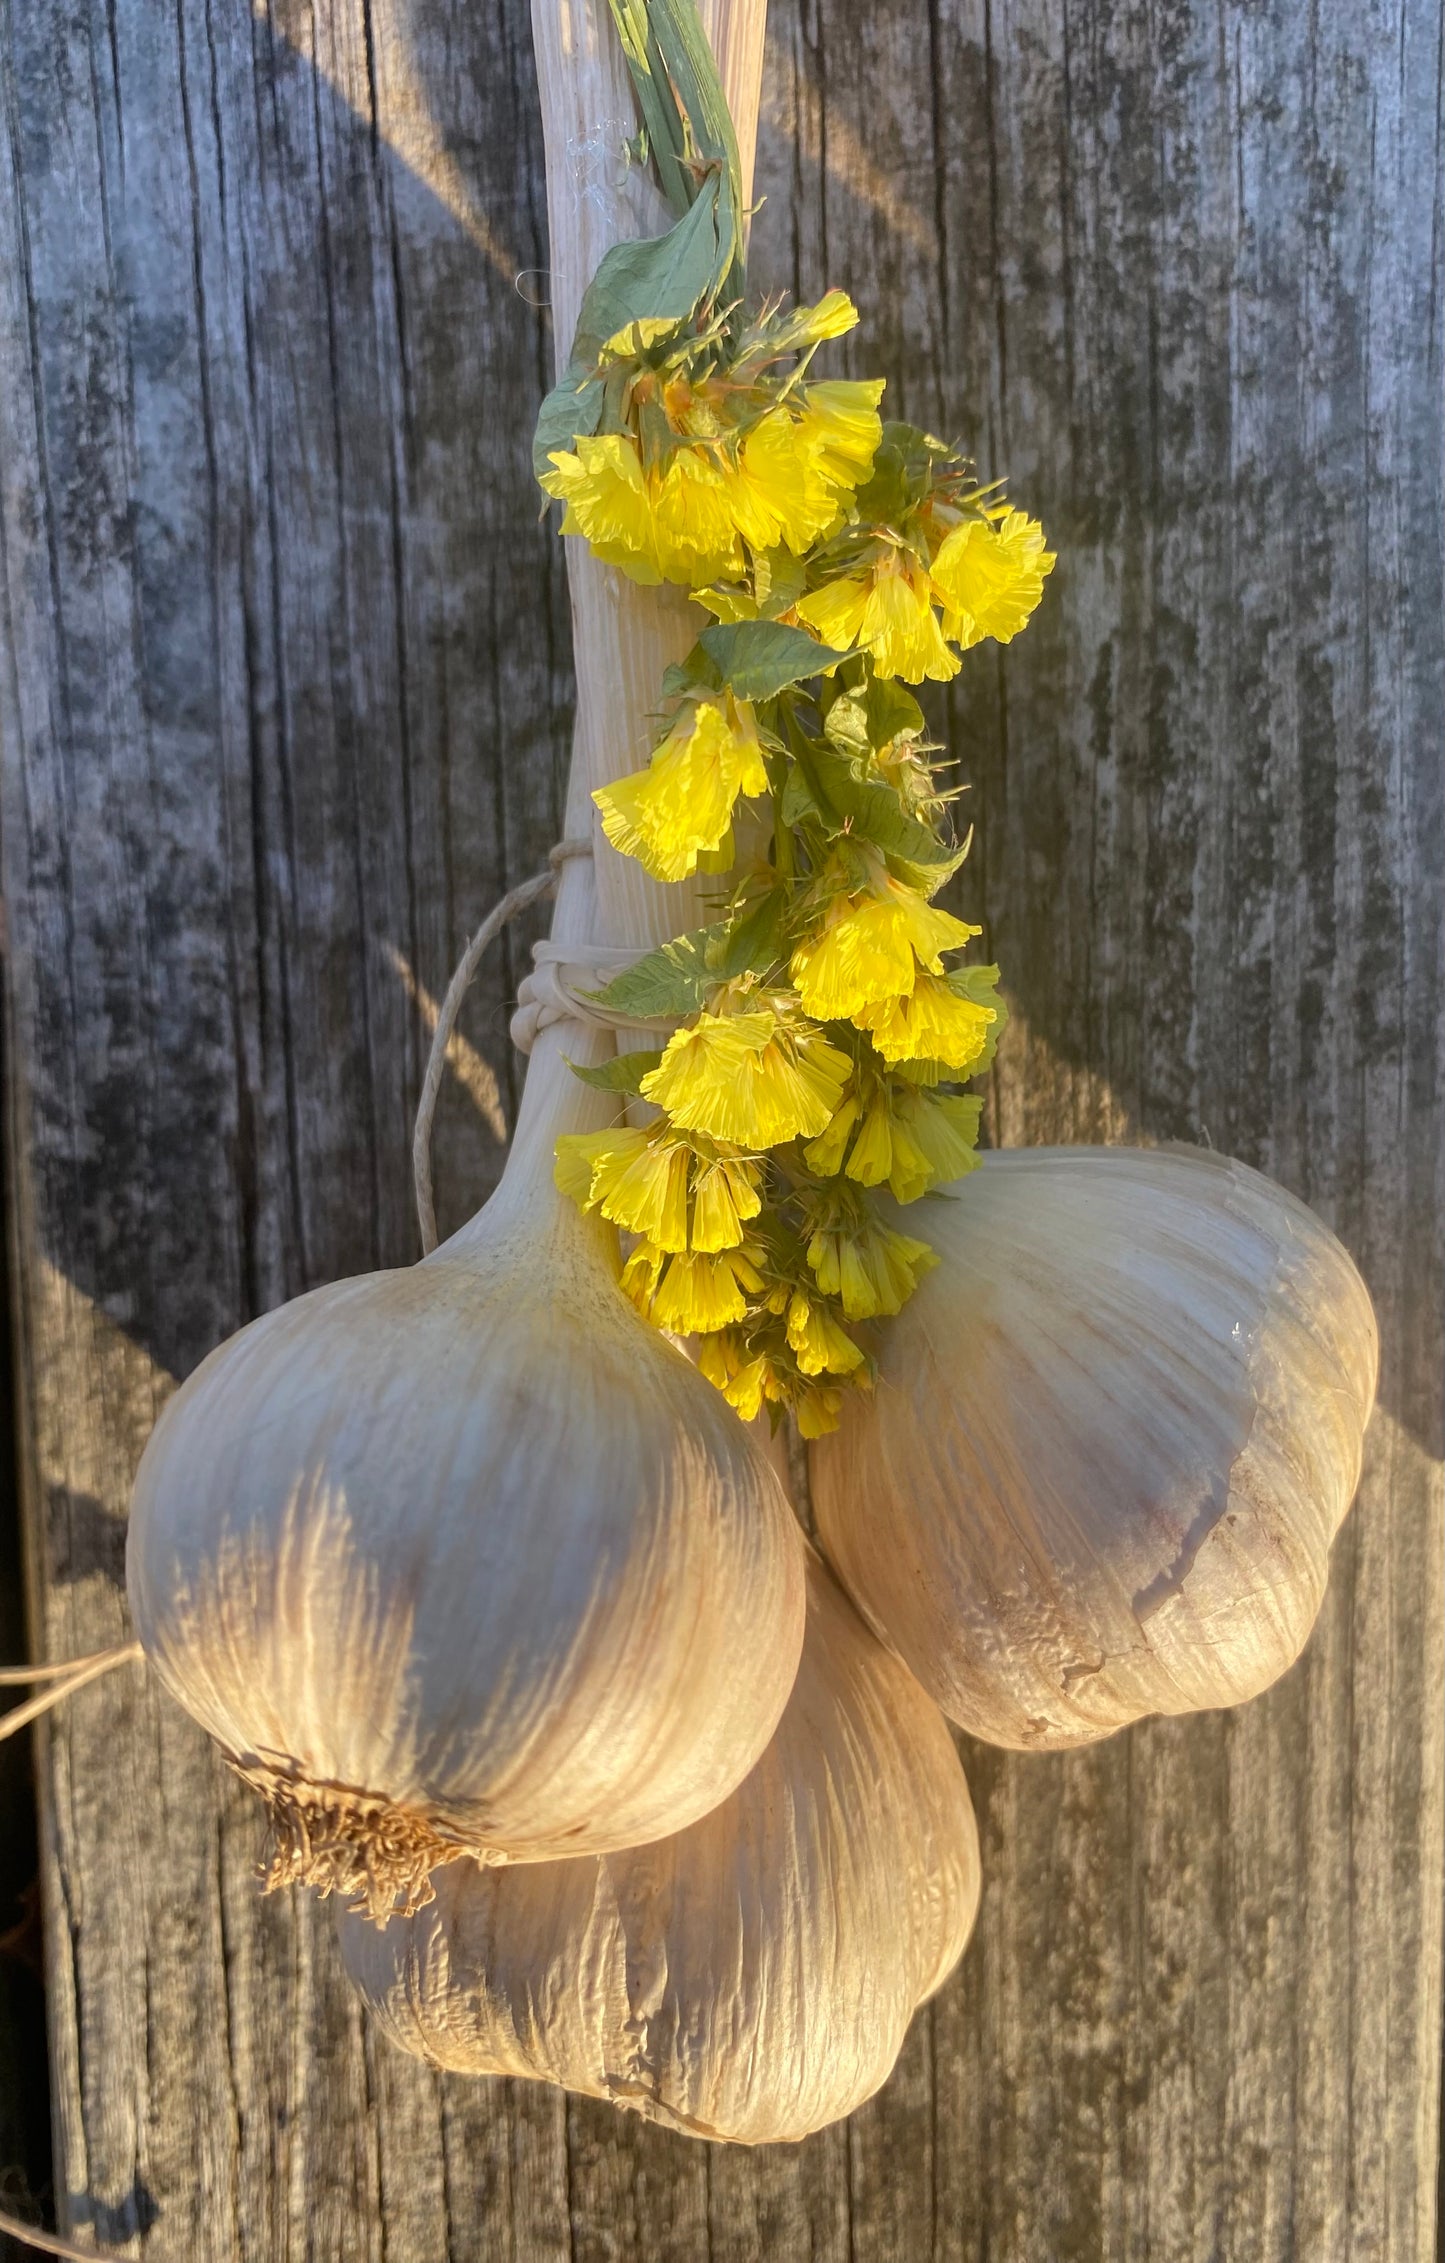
[
  {"x": 466, "y": 1556},
  {"x": 1113, "y": 1437},
  {"x": 751, "y": 1978}
]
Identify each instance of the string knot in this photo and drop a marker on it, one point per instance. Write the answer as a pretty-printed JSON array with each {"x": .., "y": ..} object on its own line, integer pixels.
[{"x": 557, "y": 989}]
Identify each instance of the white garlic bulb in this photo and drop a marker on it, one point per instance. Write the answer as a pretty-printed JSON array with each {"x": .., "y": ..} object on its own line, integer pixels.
[
  {"x": 751, "y": 1978},
  {"x": 1113, "y": 1436},
  {"x": 467, "y": 1555}
]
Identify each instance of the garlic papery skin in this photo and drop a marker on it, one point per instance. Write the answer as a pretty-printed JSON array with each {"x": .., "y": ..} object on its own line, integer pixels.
[
  {"x": 466, "y": 1555},
  {"x": 1113, "y": 1436},
  {"x": 749, "y": 1979}
]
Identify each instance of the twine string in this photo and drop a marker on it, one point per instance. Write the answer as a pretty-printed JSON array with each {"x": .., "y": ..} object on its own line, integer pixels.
[
  {"x": 64, "y": 1680},
  {"x": 558, "y": 989},
  {"x": 516, "y": 900},
  {"x": 50, "y": 2243},
  {"x": 562, "y": 986},
  {"x": 552, "y": 992}
]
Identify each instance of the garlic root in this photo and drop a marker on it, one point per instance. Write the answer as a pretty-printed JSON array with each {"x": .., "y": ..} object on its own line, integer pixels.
[{"x": 1113, "y": 1437}]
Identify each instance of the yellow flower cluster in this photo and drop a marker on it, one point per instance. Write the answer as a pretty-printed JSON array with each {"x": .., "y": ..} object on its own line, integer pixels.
[
  {"x": 983, "y": 580},
  {"x": 711, "y": 462},
  {"x": 815, "y": 1067}
]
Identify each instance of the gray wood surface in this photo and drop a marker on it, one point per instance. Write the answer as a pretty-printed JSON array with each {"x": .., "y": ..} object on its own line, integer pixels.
[{"x": 284, "y": 702}]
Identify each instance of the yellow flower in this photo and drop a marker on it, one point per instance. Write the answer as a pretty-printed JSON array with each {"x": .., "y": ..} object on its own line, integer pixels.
[
  {"x": 576, "y": 1152},
  {"x": 778, "y": 493},
  {"x": 726, "y": 1191},
  {"x": 600, "y": 481},
  {"x": 872, "y": 1156},
  {"x": 912, "y": 1139},
  {"x": 840, "y": 424},
  {"x": 825, "y": 1155},
  {"x": 696, "y": 523},
  {"x": 934, "y": 1136},
  {"x": 819, "y": 1344},
  {"x": 801, "y": 461},
  {"x": 750, "y": 1079},
  {"x": 900, "y": 628},
  {"x": 638, "y": 1179},
  {"x": 869, "y": 950},
  {"x": 835, "y": 612},
  {"x": 817, "y": 1408},
  {"x": 640, "y": 1276},
  {"x": 936, "y": 1022},
  {"x": 990, "y": 578},
  {"x": 742, "y": 1377},
  {"x": 680, "y": 807},
  {"x": 637, "y": 336},
  {"x": 833, "y": 317},
  {"x": 696, "y": 1294},
  {"x": 869, "y": 1266},
  {"x": 646, "y": 1192},
  {"x": 888, "y": 612},
  {"x": 671, "y": 523}
]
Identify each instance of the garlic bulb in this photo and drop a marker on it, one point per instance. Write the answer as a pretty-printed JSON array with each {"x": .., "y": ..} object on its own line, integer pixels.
[
  {"x": 751, "y": 1978},
  {"x": 1113, "y": 1436},
  {"x": 466, "y": 1555}
]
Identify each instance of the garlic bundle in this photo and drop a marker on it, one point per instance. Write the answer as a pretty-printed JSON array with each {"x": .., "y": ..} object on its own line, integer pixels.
[
  {"x": 1112, "y": 1439},
  {"x": 751, "y": 1978}
]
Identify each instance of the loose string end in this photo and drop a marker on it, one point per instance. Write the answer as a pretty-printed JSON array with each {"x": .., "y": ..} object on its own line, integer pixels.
[
  {"x": 64, "y": 1681},
  {"x": 51, "y": 2243}
]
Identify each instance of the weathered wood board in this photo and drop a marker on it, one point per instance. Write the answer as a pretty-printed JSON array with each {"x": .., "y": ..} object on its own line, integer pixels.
[{"x": 284, "y": 704}]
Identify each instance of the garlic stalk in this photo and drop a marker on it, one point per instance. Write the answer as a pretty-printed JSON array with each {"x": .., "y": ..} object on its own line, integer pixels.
[
  {"x": 464, "y": 1556},
  {"x": 749, "y": 1979},
  {"x": 1112, "y": 1439}
]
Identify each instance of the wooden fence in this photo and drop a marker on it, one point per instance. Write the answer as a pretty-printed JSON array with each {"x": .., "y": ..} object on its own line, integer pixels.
[{"x": 285, "y": 703}]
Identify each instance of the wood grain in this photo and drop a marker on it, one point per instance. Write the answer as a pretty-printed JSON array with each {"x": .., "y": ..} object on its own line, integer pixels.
[{"x": 285, "y": 702}]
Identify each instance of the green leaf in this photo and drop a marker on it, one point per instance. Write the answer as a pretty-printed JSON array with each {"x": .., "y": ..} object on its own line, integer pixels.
[
  {"x": 758, "y": 659},
  {"x": 874, "y": 812},
  {"x": 902, "y": 473},
  {"x": 623, "y": 1073},
  {"x": 927, "y": 878},
  {"x": 798, "y": 800},
  {"x": 669, "y": 982},
  {"x": 846, "y": 727},
  {"x": 661, "y": 278},
  {"x": 675, "y": 980},
  {"x": 657, "y": 277},
  {"x": 892, "y": 712},
  {"x": 573, "y": 408},
  {"x": 696, "y": 673},
  {"x": 664, "y": 130},
  {"x": 753, "y": 942},
  {"x": 779, "y": 579}
]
